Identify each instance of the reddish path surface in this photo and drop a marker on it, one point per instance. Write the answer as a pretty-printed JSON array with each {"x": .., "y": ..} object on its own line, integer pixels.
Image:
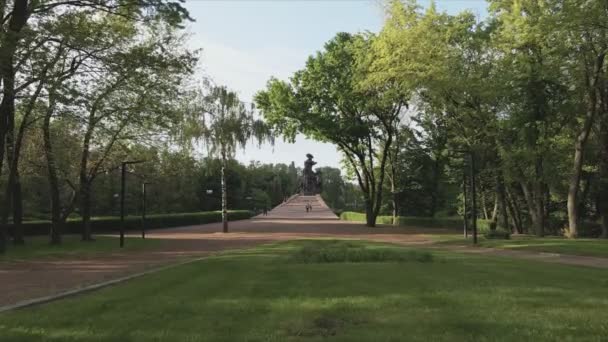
[
  {"x": 25, "y": 280},
  {"x": 21, "y": 281}
]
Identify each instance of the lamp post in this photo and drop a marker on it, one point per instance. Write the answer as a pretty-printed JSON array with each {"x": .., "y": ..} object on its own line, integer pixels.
[
  {"x": 465, "y": 200},
  {"x": 123, "y": 177},
  {"x": 250, "y": 202},
  {"x": 473, "y": 193},
  {"x": 473, "y": 198},
  {"x": 143, "y": 208}
]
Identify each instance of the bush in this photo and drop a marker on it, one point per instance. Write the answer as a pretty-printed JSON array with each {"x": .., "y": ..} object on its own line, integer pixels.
[
  {"x": 590, "y": 229},
  {"x": 410, "y": 221},
  {"x": 497, "y": 234},
  {"x": 112, "y": 223},
  {"x": 341, "y": 251}
]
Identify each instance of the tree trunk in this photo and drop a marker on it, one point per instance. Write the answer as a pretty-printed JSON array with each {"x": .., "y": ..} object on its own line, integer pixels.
[
  {"x": 17, "y": 211},
  {"x": 435, "y": 189},
  {"x": 577, "y": 168},
  {"x": 14, "y": 183},
  {"x": 530, "y": 201},
  {"x": 494, "y": 217},
  {"x": 465, "y": 207},
  {"x": 84, "y": 181},
  {"x": 539, "y": 196},
  {"x": 394, "y": 197},
  {"x": 603, "y": 184},
  {"x": 379, "y": 186},
  {"x": 224, "y": 195},
  {"x": 2, "y": 137},
  {"x": 7, "y": 112},
  {"x": 8, "y": 46},
  {"x": 370, "y": 214},
  {"x": 586, "y": 184},
  {"x": 85, "y": 210},
  {"x": 56, "y": 220},
  {"x": 484, "y": 206},
  {"x": 395, "y": 211},
  {"x": 514, "y": 212},
  {"x": 501, "y": 203}
]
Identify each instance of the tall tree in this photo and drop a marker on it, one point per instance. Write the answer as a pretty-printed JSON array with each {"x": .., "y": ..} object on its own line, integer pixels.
[
  {"x": 223, "y": 123},
  {"x": 330, "y": 101},
  {"x": 16, "y": 57}
]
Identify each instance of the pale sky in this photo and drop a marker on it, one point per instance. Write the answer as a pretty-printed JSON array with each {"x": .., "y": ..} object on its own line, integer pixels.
[{"x": 245, "y": 42}]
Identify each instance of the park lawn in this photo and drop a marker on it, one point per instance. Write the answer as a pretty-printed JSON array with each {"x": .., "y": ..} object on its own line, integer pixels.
[
  {"x": 271, "y": 294},
  {"x": 38, "y": 247},
  {"x": 587, "y": 247}
]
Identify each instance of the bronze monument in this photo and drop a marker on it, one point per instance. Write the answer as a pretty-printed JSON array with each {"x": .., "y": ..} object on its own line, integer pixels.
[{"x": 310, "y": 183}]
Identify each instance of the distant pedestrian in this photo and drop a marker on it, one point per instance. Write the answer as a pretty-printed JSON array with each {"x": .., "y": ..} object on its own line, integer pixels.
[{"x": 265, "y": 211}]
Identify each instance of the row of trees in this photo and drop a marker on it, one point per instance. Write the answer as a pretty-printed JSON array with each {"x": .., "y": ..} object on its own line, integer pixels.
[
  {"x": 523, "y": 94},
  {"x": 81, "y": 78},
  {"x": 178, "y": 182},
  {"x": 87, "y": 85}
]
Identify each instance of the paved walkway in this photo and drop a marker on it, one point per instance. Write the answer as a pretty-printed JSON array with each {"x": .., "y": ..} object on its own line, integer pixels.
[{"x": 20, "y": 281}]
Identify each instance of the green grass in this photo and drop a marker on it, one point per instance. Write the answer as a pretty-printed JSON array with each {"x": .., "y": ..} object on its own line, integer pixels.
[
  {"x": 262, "y": 295},
  {"x": 330, "y": 251},
  {"x": 588, "y": 247},
  {"x": 39, "y": 248},
  {"x": 449, "y": 222}
]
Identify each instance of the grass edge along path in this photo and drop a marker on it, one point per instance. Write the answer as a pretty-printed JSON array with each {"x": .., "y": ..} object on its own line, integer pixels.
[
  {"x": 38, "y": 248},
  {"x": 90, "y": 288},
  {"x": 530, "y": 243},
  {"x": 264, "y": 294}
]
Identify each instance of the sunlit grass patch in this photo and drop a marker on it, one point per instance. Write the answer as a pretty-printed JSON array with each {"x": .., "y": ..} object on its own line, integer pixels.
[
  {"x": 259, "y": 295},
  {"x": 588, "y": 247},
  {"x": 332, "y": 251}
]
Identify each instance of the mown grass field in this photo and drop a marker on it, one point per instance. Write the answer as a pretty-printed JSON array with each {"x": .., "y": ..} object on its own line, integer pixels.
[
  {"x": 587, "y": 247},
  {"x": 337, "y": 291},
  {"x": 38, "y": 247}
]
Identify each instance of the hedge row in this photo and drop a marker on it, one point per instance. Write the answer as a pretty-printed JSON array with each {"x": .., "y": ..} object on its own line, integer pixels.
[
  {"x": 426, "y": 222},
  {"x": 586, "y": 229},
  {"x": 112, "y": 224}
]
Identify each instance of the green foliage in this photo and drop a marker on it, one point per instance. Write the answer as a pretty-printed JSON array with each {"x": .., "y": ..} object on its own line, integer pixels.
[
  {"x": 330, "y": 101},
  {"x": 222, "y": 122},
  {"x": 455, "y": 223},
  {"x": 260, "y": 199},
  {"x": 332, "y": 251},
  {"x": 333, "y": 187},
  {"x": 497, "y": 234}
]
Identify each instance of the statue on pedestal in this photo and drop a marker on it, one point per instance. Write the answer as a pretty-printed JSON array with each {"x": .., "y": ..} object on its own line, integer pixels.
[{"x": 310, "y": 184}]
